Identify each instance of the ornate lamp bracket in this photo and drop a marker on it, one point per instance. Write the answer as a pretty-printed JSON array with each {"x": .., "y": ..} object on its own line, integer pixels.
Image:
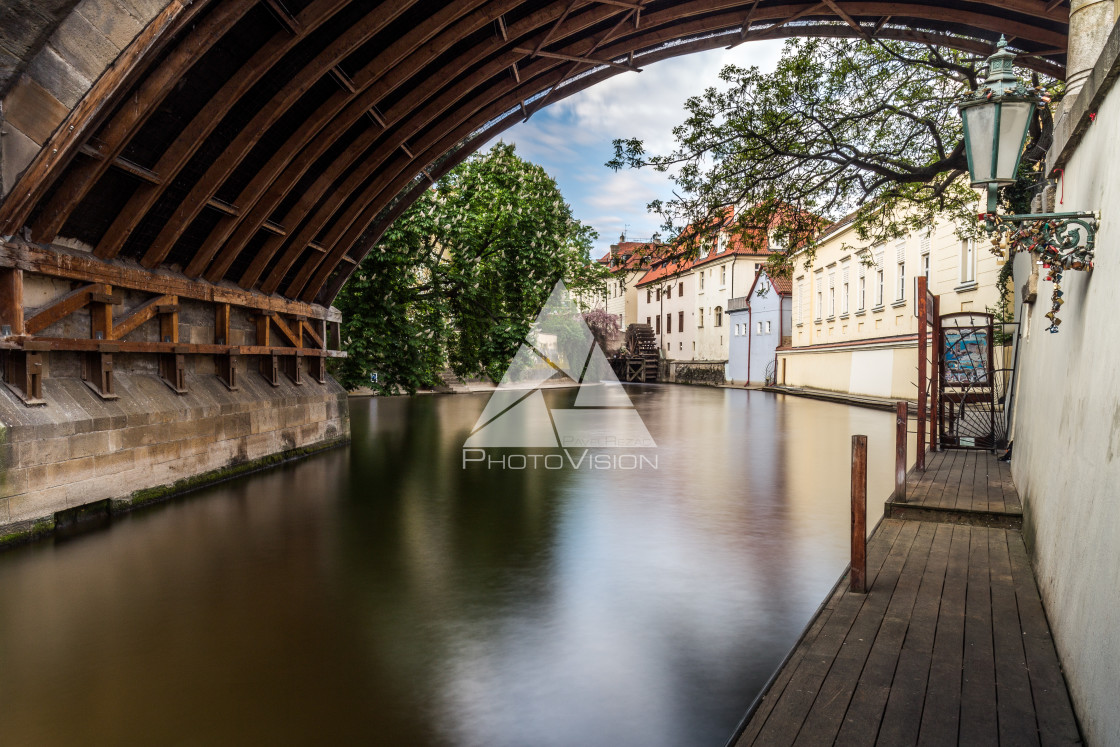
[{"x": 1054, "y": 239}]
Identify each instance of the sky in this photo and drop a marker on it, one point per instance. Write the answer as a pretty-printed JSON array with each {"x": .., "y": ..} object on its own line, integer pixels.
[{"x": 572, "y": 138}]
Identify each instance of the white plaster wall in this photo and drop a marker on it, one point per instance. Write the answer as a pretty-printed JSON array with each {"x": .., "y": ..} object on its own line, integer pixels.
[{"x": 1067, "y": 443}]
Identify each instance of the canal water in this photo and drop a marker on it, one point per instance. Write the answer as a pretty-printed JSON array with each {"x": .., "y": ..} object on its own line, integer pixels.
[{"x": 383, "y": 594}]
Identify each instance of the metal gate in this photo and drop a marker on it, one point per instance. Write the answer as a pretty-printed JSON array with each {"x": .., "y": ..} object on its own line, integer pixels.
[{"x": 973, "y": 384}]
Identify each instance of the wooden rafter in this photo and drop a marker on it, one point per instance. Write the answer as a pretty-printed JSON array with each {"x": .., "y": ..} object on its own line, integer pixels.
[
  {"x": 115, "y": 135},
  {"x": 239, "y": 148},
  {"x": 574, "y": 58},
  {"x": 139, "y": 314},
  {"x": 62, "y": 307},
  {"x": 835, "y": 7}
]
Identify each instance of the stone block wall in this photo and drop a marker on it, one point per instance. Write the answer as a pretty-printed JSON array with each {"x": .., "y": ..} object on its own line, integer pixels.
[{"x": 79, "y": 450}]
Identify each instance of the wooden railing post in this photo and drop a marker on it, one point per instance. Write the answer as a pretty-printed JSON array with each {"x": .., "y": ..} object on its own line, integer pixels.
[
  {"x": 923, "y": 322},
  {"x": 859, "y": 515},
  {"x": 900, "y": 416}
]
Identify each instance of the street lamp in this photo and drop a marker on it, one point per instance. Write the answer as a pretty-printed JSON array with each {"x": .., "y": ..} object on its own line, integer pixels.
[{"x": 996, "y": 119}]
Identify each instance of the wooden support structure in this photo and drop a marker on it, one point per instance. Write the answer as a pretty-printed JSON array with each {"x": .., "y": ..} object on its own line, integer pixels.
[
  {"x": 937, "y": 353},
  {"x": 858, "y": 573},
  {"x": 270, "y": 368},
  {"x": 173, "y": 369},
  {"x": 23, "y": 373},
  {"x": 923, "y": 322},
  {"x": 900, "y": 435},
  {"x": 11, "y": 301}
]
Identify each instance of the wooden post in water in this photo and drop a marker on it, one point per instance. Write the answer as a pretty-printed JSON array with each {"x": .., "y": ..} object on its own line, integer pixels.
[
  {"x": 900, "y": 452},
  {"x": 859, "y": 515},
  {"x": 935, "y": 376}
]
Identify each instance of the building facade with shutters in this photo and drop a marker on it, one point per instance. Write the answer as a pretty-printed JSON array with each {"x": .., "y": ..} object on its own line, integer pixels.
[
  {"x": 686, "y": 302},
  {"x": 855, "y": 325}
]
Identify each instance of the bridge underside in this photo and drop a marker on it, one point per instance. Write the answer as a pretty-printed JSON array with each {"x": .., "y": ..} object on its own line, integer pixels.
[{"x": 187, "y": 185}]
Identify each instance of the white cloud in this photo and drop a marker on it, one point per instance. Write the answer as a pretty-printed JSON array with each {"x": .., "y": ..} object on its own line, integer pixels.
[{"x": 572, "y": 138}]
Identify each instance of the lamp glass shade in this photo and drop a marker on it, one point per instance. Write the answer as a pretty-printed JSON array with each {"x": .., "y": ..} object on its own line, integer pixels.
[
  {"x": 1015, "y": 118},
  {"x": 979, "y": 121}
]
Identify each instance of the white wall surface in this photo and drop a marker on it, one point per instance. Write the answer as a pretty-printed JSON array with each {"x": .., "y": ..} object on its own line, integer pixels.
[{"x": 1066, "y": 461}]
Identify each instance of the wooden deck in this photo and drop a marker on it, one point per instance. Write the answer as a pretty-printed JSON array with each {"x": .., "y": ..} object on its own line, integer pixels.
[
  {"x": 961, "y": 486},
  {"x": 950, "y": 645}
]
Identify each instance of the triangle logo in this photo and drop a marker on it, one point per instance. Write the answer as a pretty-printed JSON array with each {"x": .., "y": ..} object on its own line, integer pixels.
[{"x": 559, "y": 348}]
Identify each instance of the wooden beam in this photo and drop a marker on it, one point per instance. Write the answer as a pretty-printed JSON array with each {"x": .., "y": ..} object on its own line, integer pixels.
[
  {"x": 502, "y": 27},
  {"x": 286, "y": 331},
  {"x": 847, "y": 18},
  {"x": 801, "y": 14},
  {"x": 11, "y": 301},
  {"x": 379, "y": 77},
  {"x": 309, "y": 330},
  {"x": 286, "y": 19},
  {"x": 621, "y": 4},
  {"x": 343, "y": 79},
  {"x": 303, "y": 148},
  {"x": 70, "y": 264},
  {"x": 882, "y": 22},
  {"x": 516, "y": 72},
  {"x": 552, "y": 29},
  {"x": 62, "y": 307},
  {"x": 577, "y": 58},
  {"x": 105, "y": 93},
  {"x": 149, "y": 94},
  {"x": 129, "y": 346},
  {"x": 176, "y": 155},
  {"x": 101, "y": 316},
  {"x": 138, "y": 315},
  {"x": 1053, "y": 5},
  {"x": 169, "y": 320},
  {"x": 221, "y": 324},
  {"x": 225, "y": 164}
]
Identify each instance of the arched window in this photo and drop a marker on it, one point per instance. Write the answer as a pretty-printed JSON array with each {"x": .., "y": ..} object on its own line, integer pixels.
[{"x": 719, "y": 316}]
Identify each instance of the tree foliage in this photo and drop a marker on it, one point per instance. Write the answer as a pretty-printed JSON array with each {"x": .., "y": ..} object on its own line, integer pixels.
[
  {"x": 839, "y": 125},
  {"x": 458, "y": 278}
]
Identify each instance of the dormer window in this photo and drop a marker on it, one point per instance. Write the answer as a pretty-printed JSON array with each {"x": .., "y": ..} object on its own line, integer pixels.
[{"x": 721, "y": 246}]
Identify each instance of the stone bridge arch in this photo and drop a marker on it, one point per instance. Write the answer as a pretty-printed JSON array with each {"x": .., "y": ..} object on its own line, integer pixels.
[{"x": 265, "y": 144}]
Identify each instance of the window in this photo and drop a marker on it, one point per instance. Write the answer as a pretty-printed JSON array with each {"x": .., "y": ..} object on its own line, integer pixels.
[
  {"x": 658, "y": 295},
  {"x": 722, "y": 246},
  {"x": 668, "y": 291},
  {"x": 900, "y": 279},
  {"x": 701, "y": 280},
  {"x": 767, "y": 327},
  {"x": 701, "y": 318},
  {"x": 680, "y": 320},
  {"x": 658, "y": 330},
  {"x": 879, "y": 279},
  {"x": 668, "y": 324},
  {"x": 649, "y": 295},
  {"x": 758, "y": 328},
  {"x": 802, "y": 299},
  {"x": 831, "y": 294},
  {"x": 968, "y": 261},
  {"x": 719, "y": 316},
  {"x": 680, "y": 290},
  {"x": 722, "y": 276},
  {"x": 649, "y": 322},
  {"x": 925, "y": 267},
  {"x": 844, "y": 293},
  {"x": 680, "y": 346},
  {"x": 820, "y": 297}
]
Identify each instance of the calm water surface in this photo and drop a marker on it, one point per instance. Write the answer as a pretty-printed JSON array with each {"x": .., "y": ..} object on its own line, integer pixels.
[{"x": 385, "y": 595}]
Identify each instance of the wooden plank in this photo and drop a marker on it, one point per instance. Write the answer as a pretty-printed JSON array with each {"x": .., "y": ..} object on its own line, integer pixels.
[
  {"x": 902, "y": 715},
  {"x": 169, "y": 320},
  {"x": 1056, "y": 722},
  {"x": 138, "y": 315},
  {"x": 60, "y": 308},
  {"x": 1014, "y": 706},
  {"x": 978, "y": 680},
  {"x": 816, "y": 654},
  {"x": 310, "y": 331},
  {"x": 823, "y": 722},
  {"x": 65, "y": 263},
  {"x": 869, "y": 697},
  {"x": 941, "y": 714}
]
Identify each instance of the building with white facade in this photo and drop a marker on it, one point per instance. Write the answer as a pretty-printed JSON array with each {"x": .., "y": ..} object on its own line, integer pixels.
[
  {"x": 855, "y": 325},
  {"x": 761, "y": 323}
]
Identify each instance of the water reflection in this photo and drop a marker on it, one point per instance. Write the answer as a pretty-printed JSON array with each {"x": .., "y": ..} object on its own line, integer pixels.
[{"x": 388, "y": 595}]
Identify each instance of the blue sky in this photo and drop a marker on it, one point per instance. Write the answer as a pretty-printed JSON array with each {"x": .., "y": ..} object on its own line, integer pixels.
[{"x": 572, "y": 138}]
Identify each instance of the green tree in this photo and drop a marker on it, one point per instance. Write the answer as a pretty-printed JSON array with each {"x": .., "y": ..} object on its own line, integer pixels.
[
  {"x": 458, "y": 278},
  {"x": 839, "y": 125}
]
